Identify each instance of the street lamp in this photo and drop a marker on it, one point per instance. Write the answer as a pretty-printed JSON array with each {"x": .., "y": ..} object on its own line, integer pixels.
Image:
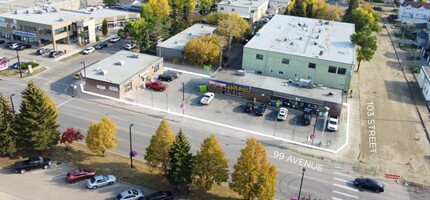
[
  {"x": 11, "y": 102},
  {"x": 131, "y": 148},
  {"x": 183, "y": 98},
  {"x": 301, "y": 182},
  {"x": 327, "y": 109},
  {"x": 220, "y": 57},
  {"x": 19, "y": 63},
  {"x": 85, "y": 71}
]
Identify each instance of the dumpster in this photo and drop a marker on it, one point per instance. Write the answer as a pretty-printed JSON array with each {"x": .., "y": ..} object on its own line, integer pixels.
[
  {"x": 207, "y": 67},
  {"x": 203, "y": 88}
]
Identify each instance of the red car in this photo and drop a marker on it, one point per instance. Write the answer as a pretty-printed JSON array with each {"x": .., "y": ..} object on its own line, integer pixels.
[
  {"x": 79, "y": 174},
  {"x": 157, "y": 85}
]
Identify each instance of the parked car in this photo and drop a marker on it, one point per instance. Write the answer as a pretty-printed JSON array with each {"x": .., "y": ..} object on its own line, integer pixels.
[
  {"x": 161, "y": 195},
  {"x": 115, "y": 39},
  {"x": 307, "y": 117},
  {"x": 78, "y": 174},
  {"x": 100, "y": 180},
  {"x": 207, "y": 98},
  {"x": 157, "y": 85},
  {"x": 261, "y": 109},
  {"x": 101, "y": 45},
  {"x": 249, "y": 107},
  {"x": 4, "y": 62},
  {"x": 2, "y": 41},
  {"x": 165, "y": 77},
  {"x": 174, "y": 74},
  {"x": 16, "y": 65},
  {"x": 88, "y": 50},
  {"x": 333, "y": 123},
  {"x": 133, "y": 194},
  {"x": 22, "y": 46},
  {"x": 42, "y": 51},
  {"x": 32, "y": 163},
  {"x": 8, "y": 44},
  {"x": 282, "y": 114},
  {"x": 130, "y": 46},
  {"x": 265, "y": 20},
  {"x": 13, "y": 45},
  {"x": 54, "y": 54},
  {"x": 370, "y": 184}
]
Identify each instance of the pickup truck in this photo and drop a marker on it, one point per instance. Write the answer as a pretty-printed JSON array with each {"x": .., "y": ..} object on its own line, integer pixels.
[
  {"x": 333, "y": 123},
  {"x": 32, "y": 163},
  {"x": 157, "y": 85}
]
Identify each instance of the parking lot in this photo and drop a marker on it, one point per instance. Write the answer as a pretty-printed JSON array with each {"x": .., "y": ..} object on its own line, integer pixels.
[{"x": 51, "y": 184}]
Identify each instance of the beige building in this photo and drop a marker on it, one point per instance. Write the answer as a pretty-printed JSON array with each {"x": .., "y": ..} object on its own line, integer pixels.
[
  {"x": 121, "y": 74},
  {"x": 47, "y": 25},
  {"x": 253, "y": 10}
]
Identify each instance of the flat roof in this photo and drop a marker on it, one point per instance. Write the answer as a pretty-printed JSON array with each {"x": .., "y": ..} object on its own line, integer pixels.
[
  {"x": 179, "y": 40},
  {"x": 44, "y": 15},
  {"x": 312, "y": 38},
  {"x": 243, "y": 3},
  {"x": 279, "y": 85},
  {"x": 100, "y": 12},
  {"x": 427, "y": 70},
  {"x": 115, "y": 71}
]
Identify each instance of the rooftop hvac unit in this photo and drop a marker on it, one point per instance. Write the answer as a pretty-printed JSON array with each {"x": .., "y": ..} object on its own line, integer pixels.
[
  {"x": 306, "y": 83},
  {"x": 135, "y": 55},
  {"x": 120, "y": 63}
]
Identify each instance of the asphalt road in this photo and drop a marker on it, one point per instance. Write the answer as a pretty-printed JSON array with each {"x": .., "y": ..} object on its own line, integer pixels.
[{"x": 325, "y": 181}]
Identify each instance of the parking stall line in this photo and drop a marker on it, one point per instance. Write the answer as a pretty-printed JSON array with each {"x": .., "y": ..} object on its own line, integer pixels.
[
  {"x": 345, "y": 194},
  {"x": 341, "y": 180},
  {"x": 345, "y": 187},
  {"x": 335, "y": 198},
  {"x": 341, "y": 174}
]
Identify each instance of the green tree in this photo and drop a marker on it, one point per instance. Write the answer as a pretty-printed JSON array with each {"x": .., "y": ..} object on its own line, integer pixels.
[
  {"x": 180, "y": 161},
  {"x": 101, "y": 136},
  {"x": 352, "y": 5},
  {"x": 298, "y": 9},
  {"x": 37, "y": 120},
  {"x": 205, "y": 4},
  {"x": 232, "y": 28},
  {"x": 254, "y": 177},
  {"x": 203, "y": 50},
  {"x": 329, "y": 12},
  {"x": 181, "y": 11},
  {"x": 366, "y": 45},
  {"x": 362, "y": 19},
  {"x": 375, "y": 25},
  {"x": 104, "y": 27},
  {"x": 210, "y": 164},
  {"x": 213, "y": 18},
  {"x": 140, "y": 31},
  {"x": 309, "y": 10},
  {"x": 121, "y": 33},
  {"x": 157, "y": 153},
  {"x": 7, "y": 131},
  {"x": 111, "y": 2}
]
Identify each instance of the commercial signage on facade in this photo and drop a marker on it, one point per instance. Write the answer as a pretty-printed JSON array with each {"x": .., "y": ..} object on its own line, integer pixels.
[
  {"x": 231, "y": 86},
  {"x": 23, "y": 33}
]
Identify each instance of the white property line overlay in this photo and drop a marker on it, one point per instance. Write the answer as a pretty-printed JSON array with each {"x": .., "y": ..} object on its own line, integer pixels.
[{"x": 228, "y": 126}]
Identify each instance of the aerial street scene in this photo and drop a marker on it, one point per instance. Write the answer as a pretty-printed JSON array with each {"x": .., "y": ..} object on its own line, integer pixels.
[{"x": 215, "y": 99}]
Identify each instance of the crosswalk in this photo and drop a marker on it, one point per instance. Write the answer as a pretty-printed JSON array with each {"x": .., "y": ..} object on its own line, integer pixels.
[{"x": 343, "y": 187}]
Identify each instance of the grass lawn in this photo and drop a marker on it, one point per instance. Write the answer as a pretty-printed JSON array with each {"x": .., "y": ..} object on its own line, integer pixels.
[
  {"x": 9, "y": 72},
  {"x": 119, "y": 166}
]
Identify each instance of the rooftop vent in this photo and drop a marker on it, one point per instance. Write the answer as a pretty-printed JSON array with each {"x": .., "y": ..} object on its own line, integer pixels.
[
  {"x": 300, "y": 38},
  {"x": 16, "y": 12},
  {"x": 326, "y": 23},
  {"x": 120, "y": 63},
  {"x": 61, "y": 19},
  {"x": 135, "y": 55},
  {"x": 39, "y": 11},
  {"x": 291, "y": 43},
  {"x": 321, "y": 53},
  {"x": 300, "y": 24},
  {"x": 257, "y": 34},
  {"x": 317, "y": 37},
  {"x": 176, "y": 42},
  {"x": 202, "y": 26},
  {"x": 343, "y": 52},
  {"x": 189, "y": 33}
]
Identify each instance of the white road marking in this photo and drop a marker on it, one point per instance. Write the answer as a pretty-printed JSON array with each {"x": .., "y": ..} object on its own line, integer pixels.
[
  {"x": 341, "y": 180},
  {"x": 64, "y": 102},
  {"x": 345, "y": 194},
  {"x": 57, "y": 177},
  {"x": 345, "y": 187},
  {"x": 335, "y": 198},
  {"x": 338, "y": 167},
  {"x": 346, "y": 175}
]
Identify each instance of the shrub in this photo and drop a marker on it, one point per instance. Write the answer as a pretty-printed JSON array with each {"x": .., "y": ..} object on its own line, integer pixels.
[
  {"x": 176, "y": 60},
  {"x": 97, "y": 38},
  {"x": 33, "y": 65}
]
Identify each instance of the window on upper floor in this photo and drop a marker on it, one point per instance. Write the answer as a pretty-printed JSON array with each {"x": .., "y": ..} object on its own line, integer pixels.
[
  {"x": 221, "y": 8},
  {"x": 341, "y": 71},
  {"x": 332, "y": 69},
  {"x": 312, "y": 65},
  {"x": 285, "y": 61},
  {"x": 259, "y": 57}
]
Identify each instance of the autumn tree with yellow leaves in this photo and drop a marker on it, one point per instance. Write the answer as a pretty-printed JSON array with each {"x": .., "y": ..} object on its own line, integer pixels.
[{"x": 101, "y": 136}]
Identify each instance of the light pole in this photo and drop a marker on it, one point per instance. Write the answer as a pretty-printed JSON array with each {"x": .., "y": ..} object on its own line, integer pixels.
[
  {"x": 220, "y": 57},
  {"x": 131, "y": 148},
  {"x": 327, "y": 109},
  {"x": 183, "y": 98},
  {"x": 301, "y": 182},
  {"x": 274, "y": 128},
  {"x": 85, "y": 71},
  {"x": 19, "y": 63},
  {"x": 11, "y": 102}
]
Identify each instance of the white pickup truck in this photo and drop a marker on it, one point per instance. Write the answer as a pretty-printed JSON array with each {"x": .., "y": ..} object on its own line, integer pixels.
[{"x": 333, "y": 123}]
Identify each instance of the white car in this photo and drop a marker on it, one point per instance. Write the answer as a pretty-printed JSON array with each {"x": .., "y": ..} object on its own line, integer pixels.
[
  {"x": 282, "y": 114},
  {"x": 130, "y": 46},
  {"x": 207, "y": 98},
  {"x": 115, "y": 39},
  {"x": 100, "y": 180},
  {"x": 333, "y": 124},
  {"x": 88, "y": 50},
  {"x": 133, "y": 194}
]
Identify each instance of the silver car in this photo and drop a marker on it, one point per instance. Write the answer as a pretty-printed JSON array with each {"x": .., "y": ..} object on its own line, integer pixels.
[
  {"x": 282, "y": 114},
  {"x": 133, "y": 194},
  {"x": 100, "y": 180}
]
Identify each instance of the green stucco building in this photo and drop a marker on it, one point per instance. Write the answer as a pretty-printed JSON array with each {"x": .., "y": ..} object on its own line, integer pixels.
[{"x": 298, "y": 48}]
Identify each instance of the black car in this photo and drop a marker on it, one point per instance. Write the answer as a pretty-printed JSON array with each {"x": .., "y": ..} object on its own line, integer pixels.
[
  {"x": 101, "y": 45},
  {"x": 174, "y": 74},
  {"x": 370, "y": 184},
  {"x": 249, "y": 107},
  {"x": 22, "y": 46},
  {"x": 307, "y": 117},
  {"x": 165, "y": 77},
  {"x": 42, "y": 51},
  {"x": 2, "y": 41},
  {"x": 161, "y": 195},
  {"x": 54, "y": 54},
  {"x": 261, "y": 109}
]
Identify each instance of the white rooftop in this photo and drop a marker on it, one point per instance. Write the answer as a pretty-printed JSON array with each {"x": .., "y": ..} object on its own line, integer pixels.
[
  {"x": 101, "y": 13},
  {"x": 243, "y": 3},
  {"x": 179, "y": 40},
  {"x": 120, "y": 66},
  {"x": 43, "y": 15},
  {"x": 313, "y": 38}
]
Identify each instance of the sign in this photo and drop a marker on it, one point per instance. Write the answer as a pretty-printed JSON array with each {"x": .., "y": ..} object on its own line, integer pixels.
[
  {"x": 231, "y": 86},
  {"x": 23, "y": 33}
]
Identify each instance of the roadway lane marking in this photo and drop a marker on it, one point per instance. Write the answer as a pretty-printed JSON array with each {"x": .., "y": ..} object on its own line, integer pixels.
[
  {"x": 345, "y": 187},
  {"x": 341, "y": 180},
  {"x": 345, "y": 194},
  {"x": 64, "y": 102},
  {"x": 335, "y": 198},
  {"x": 346, "y": 175}
]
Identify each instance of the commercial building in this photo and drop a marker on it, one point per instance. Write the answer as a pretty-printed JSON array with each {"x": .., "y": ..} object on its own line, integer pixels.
[
  {"x": 174, "y": 46},
  {"x": 295, "y": 48},
  {"x": 252, "y": 10},
  {"x": 266, "y": 89},
  {"x": 45, "y": 25},
  {"x": 415, "y": 11},
  {"x": 121, "y": 74},
  {"x": 424, "y": 81}
]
